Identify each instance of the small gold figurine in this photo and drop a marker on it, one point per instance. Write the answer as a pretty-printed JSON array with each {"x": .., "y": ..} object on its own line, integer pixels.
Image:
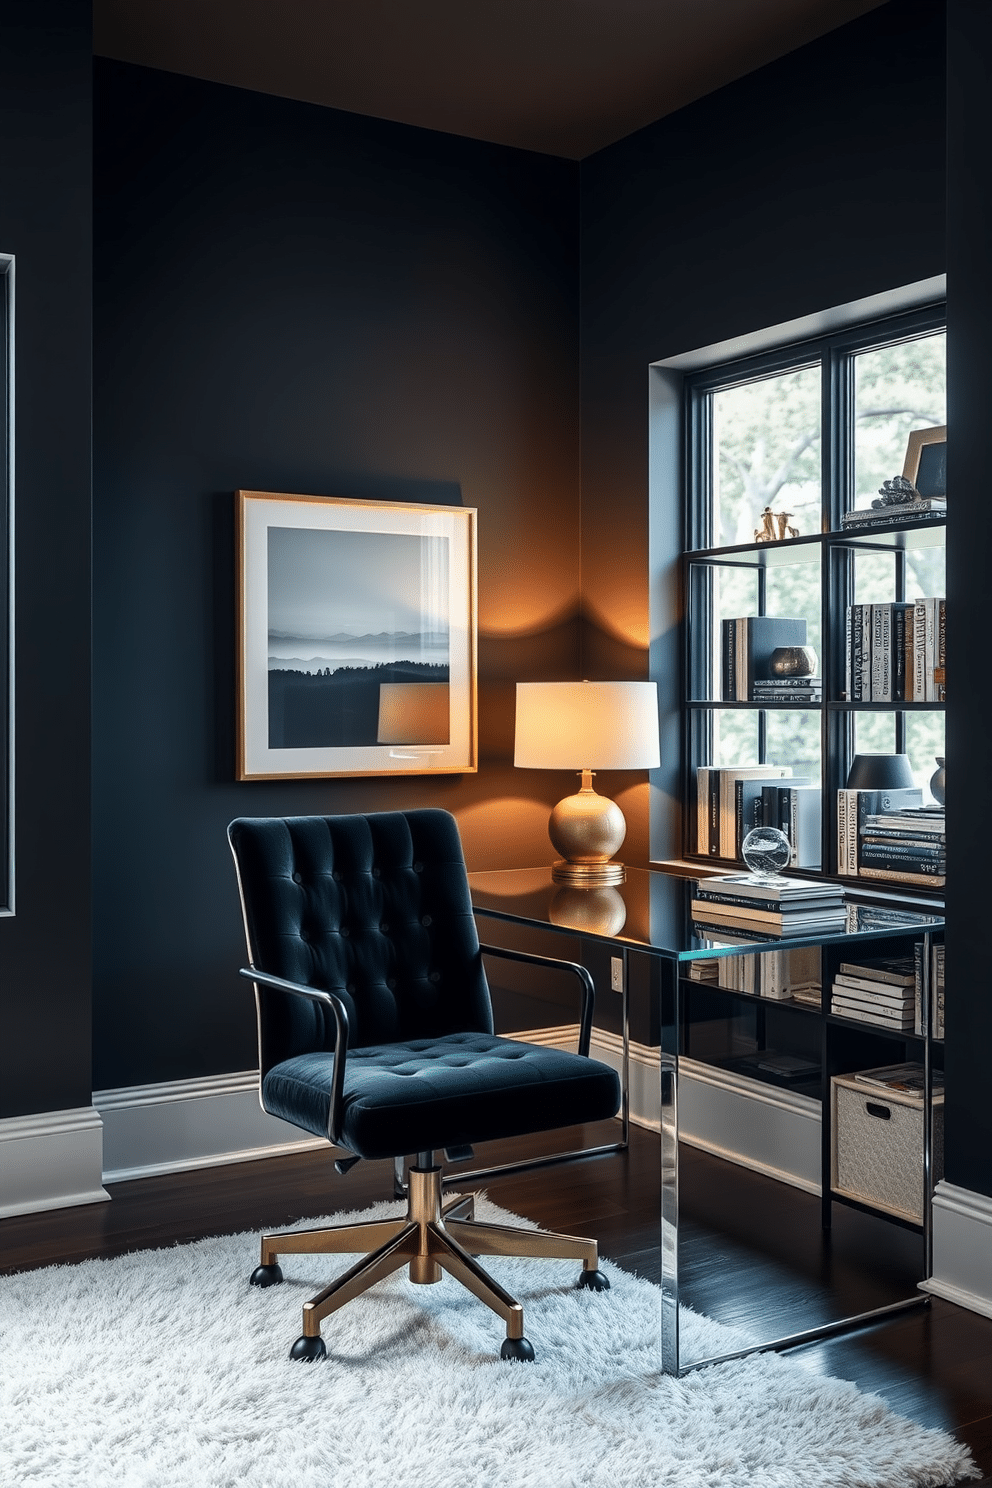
[{"x": 774, "y": 527}]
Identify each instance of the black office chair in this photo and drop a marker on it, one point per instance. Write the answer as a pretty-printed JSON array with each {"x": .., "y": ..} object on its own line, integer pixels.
[{"x": 375, "y": 1031}]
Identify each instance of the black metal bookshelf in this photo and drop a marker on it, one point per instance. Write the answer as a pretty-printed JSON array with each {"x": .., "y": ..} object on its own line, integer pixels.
[{"x": 831, "y": 558}]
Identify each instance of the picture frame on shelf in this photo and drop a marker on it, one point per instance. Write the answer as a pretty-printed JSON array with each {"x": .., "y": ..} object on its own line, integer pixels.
[
  {"x": 356, "y": 637},
  {"x": 926, "y": 461}
]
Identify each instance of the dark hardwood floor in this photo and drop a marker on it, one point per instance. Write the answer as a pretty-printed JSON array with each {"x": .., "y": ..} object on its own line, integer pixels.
[{"x": 752, "y": 1253}]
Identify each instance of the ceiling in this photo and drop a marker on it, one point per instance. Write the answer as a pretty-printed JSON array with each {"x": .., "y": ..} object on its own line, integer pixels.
[{"x": 561, "y": 76}]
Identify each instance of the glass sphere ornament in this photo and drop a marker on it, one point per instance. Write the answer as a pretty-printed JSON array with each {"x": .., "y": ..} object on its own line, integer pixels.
[{"x": 766, "y": 851}]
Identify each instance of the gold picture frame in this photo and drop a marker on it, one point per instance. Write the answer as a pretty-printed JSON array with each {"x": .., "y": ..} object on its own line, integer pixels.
[
  {"x": 926, "y": 461},
  {"x": 356, "y": 637}
]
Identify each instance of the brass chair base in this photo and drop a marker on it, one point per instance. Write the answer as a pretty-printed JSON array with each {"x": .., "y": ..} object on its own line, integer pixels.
[{"x": 433, "y": 1236}]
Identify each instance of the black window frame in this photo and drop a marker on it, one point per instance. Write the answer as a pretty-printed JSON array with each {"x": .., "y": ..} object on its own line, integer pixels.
[{"x": 835, "y": 352}]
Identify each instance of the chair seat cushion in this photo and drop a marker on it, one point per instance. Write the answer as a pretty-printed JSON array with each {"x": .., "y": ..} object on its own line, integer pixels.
[{"x": 423, "y": 1094}]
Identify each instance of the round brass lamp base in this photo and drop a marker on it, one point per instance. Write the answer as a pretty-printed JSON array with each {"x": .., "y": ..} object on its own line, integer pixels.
[
  {"x": 587, "y": 829},
  {"x": 592, "y": 875}
]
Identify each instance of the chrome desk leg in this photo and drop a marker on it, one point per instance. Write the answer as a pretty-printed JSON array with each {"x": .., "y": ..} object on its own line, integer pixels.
[
  {"x": 625, "y": 1065},
  {"x": 926, "y": 1028},
  {"x": 669, "y": 1055}
]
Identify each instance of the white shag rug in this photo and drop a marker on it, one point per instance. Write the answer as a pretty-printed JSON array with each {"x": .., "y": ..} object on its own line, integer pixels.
[{"x": 163, "y": 1369}]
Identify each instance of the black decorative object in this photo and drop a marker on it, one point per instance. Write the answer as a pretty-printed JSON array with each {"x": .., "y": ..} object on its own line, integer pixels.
[
  {"x": 937, "y": 780},
  {"x": 793, "y": 661},
  {"x": 880, "y": 772}
]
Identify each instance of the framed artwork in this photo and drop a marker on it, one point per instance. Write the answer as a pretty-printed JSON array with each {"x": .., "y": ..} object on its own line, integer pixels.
[
  {"x": 356, "y": 637},
  {"x": 926, "y": 461}
]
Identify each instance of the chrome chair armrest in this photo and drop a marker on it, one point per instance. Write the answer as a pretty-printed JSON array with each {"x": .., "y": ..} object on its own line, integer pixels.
[
  {"x": 337, "y": 1007},
  {"x": 585, "y": 978}
]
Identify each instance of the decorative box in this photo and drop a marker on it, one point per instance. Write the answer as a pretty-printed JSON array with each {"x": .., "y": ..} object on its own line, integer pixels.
[{"x": 876, "y": 1146}]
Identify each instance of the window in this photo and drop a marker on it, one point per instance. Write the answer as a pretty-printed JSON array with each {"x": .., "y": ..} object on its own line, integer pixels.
[{"x": 782, "y": 445}]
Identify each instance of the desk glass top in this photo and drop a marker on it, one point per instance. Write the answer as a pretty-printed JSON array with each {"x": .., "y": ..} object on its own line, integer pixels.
[{"x": 650, "y": 911}]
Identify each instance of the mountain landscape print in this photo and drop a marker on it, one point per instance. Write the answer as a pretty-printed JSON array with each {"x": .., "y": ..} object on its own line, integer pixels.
[{"x": 358, "y": 638}]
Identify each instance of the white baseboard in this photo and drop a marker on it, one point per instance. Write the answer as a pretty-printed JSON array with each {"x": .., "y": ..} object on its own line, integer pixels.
[
  {"x": 757, "y": 1126},
  {"x": 962, "y": 1248},
  {"x": 185, "y": 1124},
  {"x": 180, "y": 1125},
  {"x": 51, "y": 1160}
]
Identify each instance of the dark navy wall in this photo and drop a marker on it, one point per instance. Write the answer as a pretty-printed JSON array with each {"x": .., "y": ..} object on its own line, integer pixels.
[
  {"x": 969, "y": 544},
  {"x": 289, "y": 298},
  {"x": 806, "y": 185},
  {"x": 45, "y": 219},
  {"x": 801, "y": 186}
]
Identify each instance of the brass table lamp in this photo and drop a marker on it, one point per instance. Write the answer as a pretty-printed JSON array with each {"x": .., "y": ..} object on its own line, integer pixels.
[{"x": 587, "y": 726}]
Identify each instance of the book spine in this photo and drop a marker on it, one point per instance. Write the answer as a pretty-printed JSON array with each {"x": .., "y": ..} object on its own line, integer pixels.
[
  {"x": 875, "y": 974},
  {"x": 932, "y": 881},
  {"x": 881, "y": 654},
  {"x": 929, "y": 641},
  {"x": 899, "y": 863},
  {"x": 874, "y": 828},
  {"x": 793, "y": 832},
  {"x": 918, "y": 988},
  {"x": 729, "y": 678},
  {"x": 919, "y": 651},
  {"x": 740, "y": 659},
  {"x": 898, "y": 653},
  {"x": 874, "y": 992},
  {"x": 857, "y": 642},
  {"x": 713, "y": 839},
  {"x": 702, "y": 809},
  {"x": 894, "y": 848},
  {"x": 864, "y": 1017},
  {"x": 866, "y": 650},
  {"x": 772, "y": 906},
  {"x": 937, "y": 991},
  {"x": 940, "y": 691},
  {"x": 784, "y": 814},
  {"x": 740, "y": 830},
  {"x": 848, "y": 640},
  {"x": 728, "y": 824},
  {"x": 847, "y": 833},
  {"x": 802, "y": 697},
  {"x": 909, "y": 665}
]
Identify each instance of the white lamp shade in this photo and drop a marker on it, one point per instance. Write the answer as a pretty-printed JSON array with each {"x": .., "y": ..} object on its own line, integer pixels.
[{"x": 587, "y": 726}]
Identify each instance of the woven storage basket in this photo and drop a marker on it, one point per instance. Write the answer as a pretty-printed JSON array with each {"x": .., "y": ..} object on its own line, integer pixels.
[{"x": 876, "y": 1146}]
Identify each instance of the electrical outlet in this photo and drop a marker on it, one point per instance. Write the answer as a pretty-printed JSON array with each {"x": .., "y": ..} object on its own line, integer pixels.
[{"x": 616, "y": 973}]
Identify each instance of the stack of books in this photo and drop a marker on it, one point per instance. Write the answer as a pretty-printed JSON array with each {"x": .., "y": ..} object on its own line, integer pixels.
[
  {"x": 780, "y": 975},
  {"x": 896, "y": 653},
  {"x": 725, "y": 810},
  {"x": 881, "y": 991},
  {"x": 800, "y": 691},
  {"x": 908, "y": 846},
  {"x": 853, "y": 810},
  {"x": 746, "y": 907},
  {"x": 926, "y": 509},
  {"x": 731, "y": 801},
  {"x": 748, "y": 643}
]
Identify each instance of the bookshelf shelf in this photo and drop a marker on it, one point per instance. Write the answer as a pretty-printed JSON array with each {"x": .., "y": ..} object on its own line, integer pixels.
[{"x": 831, "y": 723}]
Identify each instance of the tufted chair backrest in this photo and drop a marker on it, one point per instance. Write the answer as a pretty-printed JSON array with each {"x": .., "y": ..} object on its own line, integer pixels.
[{"x": 373, "y": 908}]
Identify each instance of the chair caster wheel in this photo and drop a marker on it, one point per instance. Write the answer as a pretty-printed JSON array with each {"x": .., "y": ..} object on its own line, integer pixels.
[
  {"x": 517, "y": 1348},
  {"x": 264, "y": 1276},
  {"x": 306, "y": 1350},
  {"x": 593, "y": 1281}
]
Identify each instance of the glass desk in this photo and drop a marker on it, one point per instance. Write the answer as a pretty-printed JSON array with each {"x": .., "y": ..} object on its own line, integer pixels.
[{"x": 650, "y": 914}]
